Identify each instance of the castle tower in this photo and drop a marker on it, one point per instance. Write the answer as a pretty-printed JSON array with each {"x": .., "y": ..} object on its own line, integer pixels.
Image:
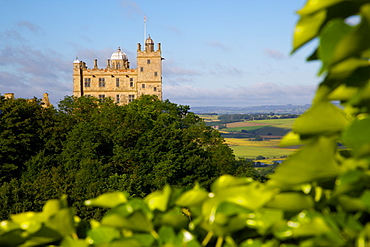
[{"x": 149, "y": 69}]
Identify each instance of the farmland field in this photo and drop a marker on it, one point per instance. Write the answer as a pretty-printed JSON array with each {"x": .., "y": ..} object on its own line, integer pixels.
[
  {"x": 243, "y": 147},
  {"x": 251, "y": 149},
  {"x": 285, "y": 123}
]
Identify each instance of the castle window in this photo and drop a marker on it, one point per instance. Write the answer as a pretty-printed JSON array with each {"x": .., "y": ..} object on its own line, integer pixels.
[
  {"x": 148, "y": 61},
  {"x": 87, "y": 95},
  {"x": 117, "y": 82},
  {"x": 141, "y": 69},
  {"x": 118, "y": 65},
  {"x": 131, "y": 97},
  {"x": 101, "y": 97},
  {"x": 155, "y": 88},
  {"x": 117, "y": 98},
  {"x": 101, "y": 82},
  {"x": 131, "y": 82},
  {"x": 87, "y": 82},
  {"x": 142, "y": 85},
  {"x": 156, "y": 73}
]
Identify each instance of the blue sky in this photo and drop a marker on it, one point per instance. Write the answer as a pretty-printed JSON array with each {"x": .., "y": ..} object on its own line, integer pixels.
[{"x": 217, "y": 53}]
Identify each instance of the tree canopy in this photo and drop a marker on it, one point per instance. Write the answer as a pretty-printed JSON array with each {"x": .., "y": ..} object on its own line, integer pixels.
[{"x": 86, "y": 147}]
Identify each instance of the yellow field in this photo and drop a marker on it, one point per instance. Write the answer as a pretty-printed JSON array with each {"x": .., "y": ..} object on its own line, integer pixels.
[
  {"x": 269, "y": 149},
  {"x": 251, "y": 149},
  {"x": 209, "y": 118},
  {"x": 285, "y": 123}
]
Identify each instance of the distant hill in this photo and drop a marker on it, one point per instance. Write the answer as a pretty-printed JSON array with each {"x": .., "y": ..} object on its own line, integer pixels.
[{"x": 278, "y": 109}]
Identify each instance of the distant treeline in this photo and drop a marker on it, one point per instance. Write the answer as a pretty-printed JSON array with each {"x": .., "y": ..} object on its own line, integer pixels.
[{"x": 254, "y": 116}]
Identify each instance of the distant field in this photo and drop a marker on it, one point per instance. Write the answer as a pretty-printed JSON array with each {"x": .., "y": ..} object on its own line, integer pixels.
[
  {"x": 252, "y": 149},
  {"x": 270, "y": 148},
  {"x": 285, "y": 123},
  {"x": 247, "y": 128},
  {"x": 209, "y": 118},
  {"x": 245, "y": 123}
]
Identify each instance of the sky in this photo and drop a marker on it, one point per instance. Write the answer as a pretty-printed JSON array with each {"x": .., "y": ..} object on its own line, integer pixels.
[{"x": 217, "y": 53}]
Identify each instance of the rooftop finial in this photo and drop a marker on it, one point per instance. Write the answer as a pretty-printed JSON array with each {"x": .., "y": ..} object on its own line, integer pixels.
[{"x": 144, "y": 28}]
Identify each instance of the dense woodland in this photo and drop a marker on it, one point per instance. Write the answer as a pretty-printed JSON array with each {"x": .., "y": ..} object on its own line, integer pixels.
[{"x": 86, "y": 147}]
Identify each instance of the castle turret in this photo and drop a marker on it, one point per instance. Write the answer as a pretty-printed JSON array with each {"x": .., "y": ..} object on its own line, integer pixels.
[
  {"x": 77, "y": 77},
  {"x": 119, "y": 60},
  {"x": 149, "y": 66},
  {"x": 149, "y": 45}
]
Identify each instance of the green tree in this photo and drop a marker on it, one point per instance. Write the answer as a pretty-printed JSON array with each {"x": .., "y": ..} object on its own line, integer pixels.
[
  {"x": 87, "y": 147},
  {"x": 24, "y": 126}
]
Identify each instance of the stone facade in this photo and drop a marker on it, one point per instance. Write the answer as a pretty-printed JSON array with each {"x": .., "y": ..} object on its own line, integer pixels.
[{"x": 117, "y": 80}]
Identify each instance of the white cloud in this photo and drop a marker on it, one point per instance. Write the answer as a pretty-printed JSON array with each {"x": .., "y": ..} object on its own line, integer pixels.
[
  {"x": 226, "y": 70},
  {"x": 218, "y": 44},
  {"x": 275, "y": 54},
  {"x": 131, "y": 8},
  {"x": 28, "y": 71},
  {"x": 30, "y": 26}
]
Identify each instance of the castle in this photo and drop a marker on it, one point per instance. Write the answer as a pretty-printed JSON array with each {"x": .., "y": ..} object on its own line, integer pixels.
[{"x": 117, "y": 80}]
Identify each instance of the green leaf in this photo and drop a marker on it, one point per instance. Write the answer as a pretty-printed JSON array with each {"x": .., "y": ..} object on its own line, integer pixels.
[
  {"x": 352, "y": 180},
  {"x": 356, "y": 41},
  {"x": 251, "y": 196},
  {"x": 322, "y": 117},
  {"x": 308, "y": 224},
  {"x": 135, "y": 222},
  {"x": 330, "y": 36},
  {"x": 345, "y": 70},
  {"x": 159, "y": 199},
  {"x": 138, "y": 239},
  {"x": 348, "y": 221},
  {"x": 50, "y": 208},
  {"x": 357, "y": 137},
  {"x": 174, "y": 218},
  {"x": 312, "y": 162},
  {"x": 265, "y": 219},
  {"x": 343, "y": 93},
  {"x": 192, "y": 197},
  {"x": 28, "y": 221},
  {"x": 307, "y": 28},
  {"x": 230, "y": 209},
  {"x": 188, "y": 239},
  {"x": 167, "y": 236},
  {"x": 291, "y": 201},
  {"x": 12, "y": 238},
  {"x": 313, "y": 6},
  {"x": 226, "y": 181},
  {"x": 44, "y": 236},
  {"x": 63, "y": 222},
  {"x": 251, "y": 243},
  {"x": 293, "y": 139},
  {"x": 69, "y": 242},
  {"x": 102, "y": 234},
  {"x": 108, "y": 200},
  {"x": 350, "y": 204},
  {"x": 365, "y": 198}
]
